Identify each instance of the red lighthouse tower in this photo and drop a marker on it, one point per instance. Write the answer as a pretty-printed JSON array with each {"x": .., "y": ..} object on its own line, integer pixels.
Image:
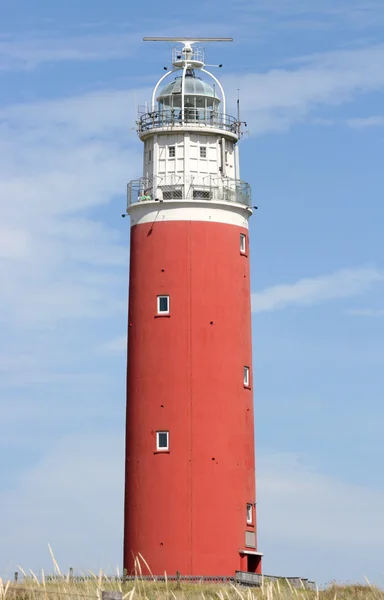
[{"x": 190, "y": 466}]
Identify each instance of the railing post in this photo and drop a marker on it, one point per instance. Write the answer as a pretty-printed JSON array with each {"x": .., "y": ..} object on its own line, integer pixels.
[
  {"x": 16, "y": 576},
  {"x": 178, "y": 584}
]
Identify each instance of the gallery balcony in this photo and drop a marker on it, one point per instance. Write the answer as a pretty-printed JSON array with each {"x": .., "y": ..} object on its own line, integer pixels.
[
  {"x": 189, "y": 118},
  {"x": 210, "y": 189}
]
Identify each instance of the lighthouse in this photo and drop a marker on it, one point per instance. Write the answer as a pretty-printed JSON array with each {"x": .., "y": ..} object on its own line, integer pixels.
[{"x": 190, "y": 498}]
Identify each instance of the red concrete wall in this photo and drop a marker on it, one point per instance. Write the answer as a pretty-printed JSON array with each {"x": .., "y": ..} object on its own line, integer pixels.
[{"x": 186, "y": 510}]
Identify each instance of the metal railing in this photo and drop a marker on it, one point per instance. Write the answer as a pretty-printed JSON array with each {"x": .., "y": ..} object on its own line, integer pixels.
[
  {"x": 199, "y": 117},
  {"x": 244, "y": 578},
  {"x": 217, "y": 189},
  {"x": 255, "y": 579},
  {"x": 197, "y": 55}
]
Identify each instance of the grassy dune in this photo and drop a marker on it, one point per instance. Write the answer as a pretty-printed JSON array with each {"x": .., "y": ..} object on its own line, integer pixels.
[
  {"x": 32, "y": 588},
  {"x": 64, "y": 587}
]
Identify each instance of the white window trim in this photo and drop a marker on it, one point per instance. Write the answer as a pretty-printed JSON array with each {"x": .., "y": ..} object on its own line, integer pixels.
[
  {"x": 158, "y": 447},
  {"x": 249, "y": 508},
  {"x": 243, "y": 243},
  {"x": 246, "y": 376},
  {"x": 162, "y": 312}
]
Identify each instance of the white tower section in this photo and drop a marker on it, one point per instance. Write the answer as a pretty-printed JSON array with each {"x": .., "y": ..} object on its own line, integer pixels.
[{"x": 191, "y": 155}]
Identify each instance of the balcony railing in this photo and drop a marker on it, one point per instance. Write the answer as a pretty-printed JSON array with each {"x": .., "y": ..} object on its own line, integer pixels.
[
  {"x": 217, "y": 189},
  {"x": 197, "y": 55},
  {"x": 198, "y": 117}
]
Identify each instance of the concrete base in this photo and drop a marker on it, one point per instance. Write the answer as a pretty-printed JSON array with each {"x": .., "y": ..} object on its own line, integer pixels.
[{"x": 254, "y": 579}]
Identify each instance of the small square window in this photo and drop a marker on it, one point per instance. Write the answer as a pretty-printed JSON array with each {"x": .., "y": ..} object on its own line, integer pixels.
[
  {"x": 203, "y": 152},
  {"x": 246, "y": 376},
  {"x": 163, "y": 305},
  {"x": 171, "y": 151},
  {"x": 249, "y": 514},
  {"x": 243, "y": 243},
  {"x": 162, "y": 440}
]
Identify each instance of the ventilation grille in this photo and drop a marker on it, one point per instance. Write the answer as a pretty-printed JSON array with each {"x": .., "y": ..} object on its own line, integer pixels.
[
  {"x": 202, "y": 194},
  {"x": 172, "y": 194}
]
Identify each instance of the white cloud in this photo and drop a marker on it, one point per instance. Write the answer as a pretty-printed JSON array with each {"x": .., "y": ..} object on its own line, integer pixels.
[
  {"x": 13, "y": 243},
  {"x": 366, "y": 123},
  {"x": 64, "y": 256},
  {"x": 91, "y": 43},
  {"x": 271, "y": 101},
  {"x": 326, "y": 517},
  {"x": 305, "y": 292},
  {"x": 59, "y": 160},
  {"x": 320, "y": 526},
  {"x": 275, "y": 100},
  {"x": 265, "y": 18},
  {"x": 28, "y": 52},
  {"x": 344, "y": 8},
  {"x": 72, "y": 498}
]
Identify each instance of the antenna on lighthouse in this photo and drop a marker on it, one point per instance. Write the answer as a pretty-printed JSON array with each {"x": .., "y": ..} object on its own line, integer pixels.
[
  {"x": 187, "y": 56},
  {"x": 185, "y": 40}
]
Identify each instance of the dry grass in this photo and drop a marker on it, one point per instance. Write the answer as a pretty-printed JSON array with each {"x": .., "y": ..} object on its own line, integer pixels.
[
  {"x": 63, "y": 587},
  {"x": 31, "y": 588}
]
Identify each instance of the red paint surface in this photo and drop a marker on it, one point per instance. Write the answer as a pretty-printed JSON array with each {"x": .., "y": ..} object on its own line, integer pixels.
[{"x": 186, "y": 510}]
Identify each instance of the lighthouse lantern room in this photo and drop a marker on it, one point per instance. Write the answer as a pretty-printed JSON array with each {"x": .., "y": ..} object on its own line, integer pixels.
[{"x": 190, "y": 500}]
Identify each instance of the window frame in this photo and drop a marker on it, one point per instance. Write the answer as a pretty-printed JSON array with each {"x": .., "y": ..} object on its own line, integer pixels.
[
  {"x": 249, "y": 513},
  {"x": 172, "y": 151},
  {"x": 159, "y": 298},
  {"x": 243, "y": 243},
  {"x": 247, "y": 376},
  {"x": 203, "y": 151},
  {"x": 162, "y": 448},
  {"x": 149, "y": 155}
]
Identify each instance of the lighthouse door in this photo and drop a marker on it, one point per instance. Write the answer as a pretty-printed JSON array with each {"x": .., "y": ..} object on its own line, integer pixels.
[{"x": 252, "y": 562}]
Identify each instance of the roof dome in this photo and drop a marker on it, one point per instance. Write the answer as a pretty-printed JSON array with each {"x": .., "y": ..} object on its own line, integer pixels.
[{"x": 193, "y": 86}]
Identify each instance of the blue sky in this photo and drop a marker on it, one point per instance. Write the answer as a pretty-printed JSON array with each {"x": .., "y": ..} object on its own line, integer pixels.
[{"x": 311, "y": 80}]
